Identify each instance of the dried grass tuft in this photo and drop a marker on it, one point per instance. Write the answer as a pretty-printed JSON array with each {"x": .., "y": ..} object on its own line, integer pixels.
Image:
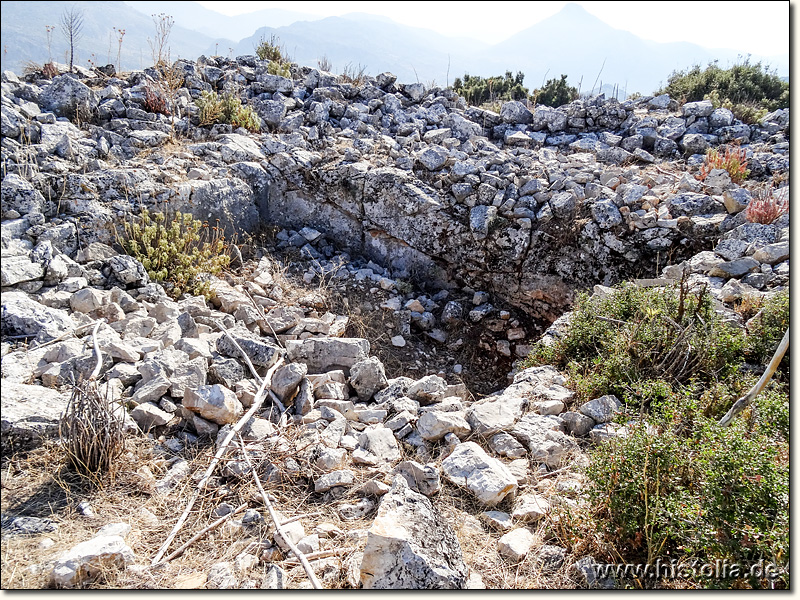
[{"x": 91, "y": 432}]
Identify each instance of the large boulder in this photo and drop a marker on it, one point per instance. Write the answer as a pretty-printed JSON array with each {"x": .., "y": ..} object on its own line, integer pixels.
[
  {"x": 23, "y": 316},
  {"x": 410, "y": 546},
  {"x": 68, "y": 97},
  {"x": 327, "y": 354}
]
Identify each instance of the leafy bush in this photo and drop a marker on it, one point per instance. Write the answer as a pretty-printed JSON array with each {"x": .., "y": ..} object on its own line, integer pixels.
[
  {"x": 555, "y": 93},
  {"x": 676, "y": 485},
  {"x": 733, "y": 160},
  {"x": 702, "y": 491},
  {"x": 270, "y": 49},
  {"x": 279, "y": 68},
  {"x": 176, "y": 249},
  {"x": 767, "y": 330},
  {"x": 747, "y": 112},
  {"x": 478, "y": 91},
  {"x": 744, "y": 83},
  {"x": 210, "y": 107},
  {"x": 643, "y": 334},
  {"x": 226, "y": 109}
]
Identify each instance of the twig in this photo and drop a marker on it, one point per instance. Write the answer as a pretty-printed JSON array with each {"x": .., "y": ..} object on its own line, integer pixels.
[
  {"x": 745, "y": 400},
  {"x": 60, "y": 338},
  {"x": 278, "y": 529},
  {"x": 298, "y": 517},
  {"x": 96, "y": 371},
  {"x": 257, "y": 402},
  {"x": 200, "y": 534},
  {"x": 660, "y": 170},
  {"x": 260, "y": 311},
  {"x": 610, "y": 320},
  {"x": 272, "y": 395},
  {"x": 239, "y": 348},
  {"x": 291, "y": 562}
]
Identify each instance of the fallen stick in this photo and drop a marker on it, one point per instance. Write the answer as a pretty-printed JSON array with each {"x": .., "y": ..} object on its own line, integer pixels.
[
  {"x": 200, "y": 534},
  {"x": 291, "y": 562},
  {"x": 260, "y": 310},
  {"x": 241, "y": 351},
  {"x": 298, "y": 517},
  {"x": 62, "y": 337},
  {"x": 257, "y": 402},
  {"x": 279, "y": 529},
  {"x": 745, "y": 400},
  {"x": 272, "y": 395}
]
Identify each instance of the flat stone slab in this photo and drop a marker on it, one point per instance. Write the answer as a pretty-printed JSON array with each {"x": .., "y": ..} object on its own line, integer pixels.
[{"x": 30, "y": 414}]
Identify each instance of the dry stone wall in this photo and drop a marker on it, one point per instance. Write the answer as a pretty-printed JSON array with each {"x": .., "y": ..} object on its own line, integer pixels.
[{"x": 528, "y": 203}]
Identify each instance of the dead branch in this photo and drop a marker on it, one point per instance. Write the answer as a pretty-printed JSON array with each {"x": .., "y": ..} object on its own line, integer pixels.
[
  {"x": 272, "y": 396},
  {"x": 261, "y": 312},
  {"x": 63, "y": 336},
  {"x": 298, "y": 517},
  {"x": 257, "y": 402},
  {"x": 278, "y": 528},
  {"x": 241, "y": 351},
  {"x": 291, "y": 562},
  {"x": 745, "y": 400},
  {"x": 199, "y": 535}
]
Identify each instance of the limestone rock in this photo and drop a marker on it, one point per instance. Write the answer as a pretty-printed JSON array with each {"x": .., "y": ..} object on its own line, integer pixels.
[
  {"x": 327, "y": 354},
  {"x": 410, "y": 546},
  {"x": 486, "y": 477},
  {"x": 215, "y": 403},
  {"x": 516, "y": 544},
  {"x": 84, "y": 562}
]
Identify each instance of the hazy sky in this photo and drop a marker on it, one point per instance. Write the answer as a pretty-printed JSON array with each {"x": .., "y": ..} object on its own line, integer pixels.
[{"x": 761, "y": 28}]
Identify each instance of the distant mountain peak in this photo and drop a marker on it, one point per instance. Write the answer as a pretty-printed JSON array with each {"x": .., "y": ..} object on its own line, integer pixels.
[{"x": 575, "y": 12}]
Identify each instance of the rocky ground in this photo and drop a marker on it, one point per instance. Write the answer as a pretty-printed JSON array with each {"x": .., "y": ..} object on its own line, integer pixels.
[{"x": 418, "y": 248}]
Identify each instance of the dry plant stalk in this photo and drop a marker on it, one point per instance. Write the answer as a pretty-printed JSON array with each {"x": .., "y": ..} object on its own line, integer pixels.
[
  {"x": 200, "y": 534},
  {"x": 766, "y": 207},
  {"x": 257, "y": 402},
  {"x": 278, "y": 528},
  {"x": 91, "y": 432}
]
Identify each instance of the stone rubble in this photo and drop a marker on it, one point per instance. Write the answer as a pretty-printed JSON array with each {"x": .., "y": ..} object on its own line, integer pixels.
[{"x": 505, "y": 215}]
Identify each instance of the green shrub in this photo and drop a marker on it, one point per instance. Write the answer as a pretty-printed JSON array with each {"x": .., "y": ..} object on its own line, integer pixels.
[
  {"x": 676, "y": 485},
  {"x": 176, "y": 249},
  {"x": 767, "y": 330},
  {"x": 210, "y": 106},
  {"x": 270, "y": 50},
  {"x": 478, "y": 91},
  {"x": 642, "y": 334},
  {"x": 555, "y": 93},
  {"x": 746, "y": 112},
  {"x": 703, "y": 492},
  {"x": 279, "y": 68},
  {"x": 743, "y": 84},
  {"x": 226, "y": 109}
]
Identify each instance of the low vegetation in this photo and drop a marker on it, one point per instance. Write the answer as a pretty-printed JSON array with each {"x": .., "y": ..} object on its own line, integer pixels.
[
  {"x": 676, "y": 485},
  {"x": 732, "y": 159},
  {"x": 555, "y": 93},
  {"x": 766, "y": 207},
  {"x": 478, "y": 90},
  {"x": 176, "y": 249},
  {"x": 227, "y": 109},
  {"x": 744, "y": 85},
  {"x": 272, "y": 51}
]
